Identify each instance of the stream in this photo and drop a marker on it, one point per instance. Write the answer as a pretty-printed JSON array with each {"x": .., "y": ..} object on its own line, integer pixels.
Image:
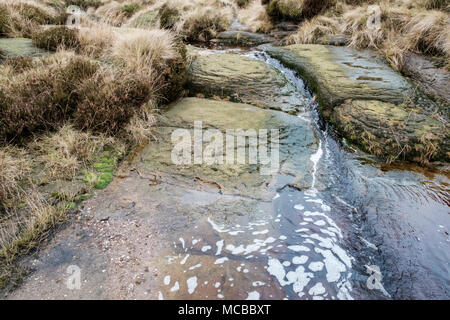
[{"x": 362, "y": 230}]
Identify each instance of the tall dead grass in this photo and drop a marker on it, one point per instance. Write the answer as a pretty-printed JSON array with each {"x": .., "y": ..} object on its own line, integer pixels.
[{"x": 403, "y": 29}]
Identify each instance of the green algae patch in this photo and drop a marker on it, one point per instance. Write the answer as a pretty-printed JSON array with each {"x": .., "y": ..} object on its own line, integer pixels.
[
  {"x": 19, "y": 47},
  {"x": 102, "y": 172}
]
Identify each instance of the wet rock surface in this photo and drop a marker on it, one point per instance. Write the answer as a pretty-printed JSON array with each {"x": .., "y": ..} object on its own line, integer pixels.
[
  {"x": 347, "y": 82},
  {"x": 432, "y": 79},
  {"x": 333, "y": 40},
  {"x": 243, "y": 38},
  {"x": 242, "y": 79}
]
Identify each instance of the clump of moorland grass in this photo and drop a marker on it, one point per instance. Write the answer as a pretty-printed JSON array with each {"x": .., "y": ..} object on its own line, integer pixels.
[
  {"x": 19, "y": 64},
  {"x": 42, "y": 97},
  {"x": 110, "y": 99},
  {"x": 131, "y": 9},
  {"x": 156, "y": 55},
  {"x": 68, "y": 150},
  {"x": 402, "y": 30},
  {"x": 57, "y": 37},
  {"x": 436, "y": 4},
  {"x": 254, "y": 15},
  {"x": 4, "y": 20},
  {"x": 95, "y": 40},
  {"x": 84, "y": 4},
  {"x": 14, "y": 167},
  {"x": 116, "y": 13},
  {"x": 141, "y": 127},
  {"x": 168, "y": 16},
  {"x": 21, "y": 18},
  {"x": 203, "y": 25},
  {"x": 296, "y": 10}
]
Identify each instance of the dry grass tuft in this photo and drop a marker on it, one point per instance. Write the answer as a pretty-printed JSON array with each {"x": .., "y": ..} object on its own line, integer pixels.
[
  {"x": 296, "y": 10},
  {"x": 405, "y": 27},
  {"x": 254, "y": 15},
  {"x": 14, "y": 167},
  {"x": 68, "y": 150},
  {"x": 95, "y": 40},
  {"x": 43, "y": 97},
  {"x": 140, "y": 129},
  {"x": 57, "y": 38},
  {"x": 141, "y": 50}
]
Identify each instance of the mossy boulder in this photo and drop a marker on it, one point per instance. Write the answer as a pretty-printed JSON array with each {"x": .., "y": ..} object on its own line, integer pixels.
[
  {"x": 19, "y": 47},
  {"x": 368, "y": 102},
  {"x": 241, "y": 79}
]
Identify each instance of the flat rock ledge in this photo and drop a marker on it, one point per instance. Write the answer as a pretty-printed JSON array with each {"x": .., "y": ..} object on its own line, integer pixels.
[{"x": 368, "y": 103}]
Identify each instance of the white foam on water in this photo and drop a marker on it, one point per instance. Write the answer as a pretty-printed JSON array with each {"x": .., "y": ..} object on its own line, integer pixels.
[
  {"x": 298, "y": 248},
  {"x": 333, "y": 266},
  {"x": 220, "y": 260},
  {"x": 205, "y": 248},
  {"x": 254, "y": 295},
  {"x": 182, "y": 241},
  {"x": 328, "y": 219},
  {"x": 219, "y": 245},
  {"x": 320, "y": 223},
  {"x": 317, "y": 289},
  {"x": 192, "y": 284},
  {"x": 315, "y": 160},
  {"x": 217, "y": 227},
  {"x": 196, "y": 266},
  {"x": 260, "y": 232},
  {"x": 276, "y": 269},
  {"x": 184, "y": 259},
  {"x": 369, "y": 244},
  {"x": 316, "y": 266},
  {"x": 175, "y": 287}
]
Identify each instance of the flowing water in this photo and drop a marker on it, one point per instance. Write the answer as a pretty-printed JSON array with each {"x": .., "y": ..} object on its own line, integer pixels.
[{"x": 362, "y": 230}]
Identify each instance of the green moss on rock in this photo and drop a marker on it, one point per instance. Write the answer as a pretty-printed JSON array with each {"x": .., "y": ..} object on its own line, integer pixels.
[{"x": 365, "y": 100}]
